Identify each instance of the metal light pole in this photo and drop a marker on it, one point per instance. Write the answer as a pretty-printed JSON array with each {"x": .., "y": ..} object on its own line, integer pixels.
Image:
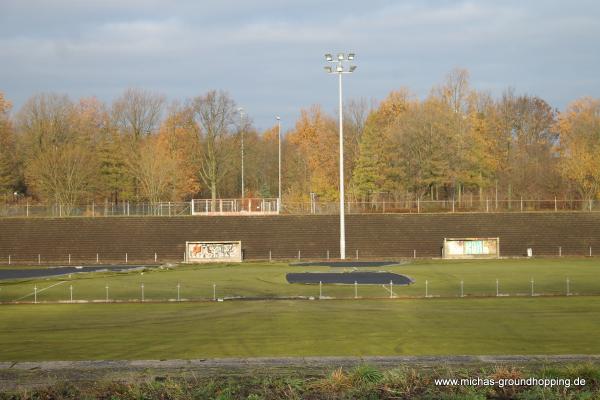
[
  {"x": 279, "y": 170},
  {"x": 241, "y": 111},
  {"x": 339, "y": 70}
]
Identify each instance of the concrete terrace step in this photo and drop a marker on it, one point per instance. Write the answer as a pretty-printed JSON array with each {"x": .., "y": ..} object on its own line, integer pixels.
[{"x": 380, "y": 235}]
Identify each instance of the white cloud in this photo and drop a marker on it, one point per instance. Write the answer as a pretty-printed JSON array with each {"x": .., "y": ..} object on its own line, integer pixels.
[{"x": 269, "y": 52}]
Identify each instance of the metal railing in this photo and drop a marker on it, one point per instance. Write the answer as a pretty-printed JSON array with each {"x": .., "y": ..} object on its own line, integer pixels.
[
  {"x": 96, "y": 209},
  {"x": 256, "y": 206},
  {"x": 235, "y": 206},
  {"x": 441, "y": 206}
]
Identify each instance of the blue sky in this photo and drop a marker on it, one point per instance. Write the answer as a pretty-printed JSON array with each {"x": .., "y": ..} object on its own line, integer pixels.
[{"x": 269, "y": 54}]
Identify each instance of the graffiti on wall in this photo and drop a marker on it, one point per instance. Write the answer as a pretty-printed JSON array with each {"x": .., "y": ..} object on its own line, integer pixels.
[
  {"x": 471, "y": 248},
  {"x": 214, "y": 251}
]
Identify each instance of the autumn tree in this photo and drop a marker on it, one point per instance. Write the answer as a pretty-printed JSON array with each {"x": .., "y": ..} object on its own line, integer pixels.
[
  {"x": 579, "y": 128},
  {"x": 46, "y": 120},
  {"x": 526, "y": 125},
  {"x": 138, "y": 111},
  {"x": 267, "y": 156},
  {"x": 115, "y": 178},
  {"x": 356, "y": 112},
  {"x": 8, "y": 160},
  {"x": 63, "y": 174},
  {"x": 156, "y": 170},
  {"x": 377, "y": 165},
  {"x": 180, "y": 135},
  {"x": 214, "y": 113},
  {"x": 315, "y": 139}
]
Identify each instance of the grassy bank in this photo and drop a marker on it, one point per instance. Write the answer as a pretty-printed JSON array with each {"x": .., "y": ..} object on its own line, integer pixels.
[{"x": 361, "y": 382}]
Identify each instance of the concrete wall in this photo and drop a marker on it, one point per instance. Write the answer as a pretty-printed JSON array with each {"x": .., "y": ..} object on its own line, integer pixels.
[{"x": 387, "y": 235}]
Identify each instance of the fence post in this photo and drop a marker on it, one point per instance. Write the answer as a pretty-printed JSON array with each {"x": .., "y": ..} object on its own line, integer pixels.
[
  {"x": 453, "y": 205},
  {"x": 532, "y": 287},
  {"x": 27, "y": 208},
  {"x": 568, "y": 288},
  {"x": 328, "y": 254},
  {"x": 35, "y": 294},
  {"x": 497, "y": 288},
  {"x": 462, "y": 292},
  {"x": 39, "y": 259},
  {"x": 391, "y": 289},
  {"x": 320, "y": 289},
  {"x": 590, "y": 251},
  {"x": 178, "y": 297},
  {"x": 560, "y": 251},
  {"x": 126, "y": 258},
  {"x": 415, "y": 253},
  {"x": 487, "y": 205},
  {"x": 155, "y": 257},
  {"x": 357, "y": 254},
  {"x": 521, "y": 204},
  {"x": 555, "y": 205},
  {"x": 69, "y": 259},
  {"x": 298, "y": 254},
  {"x": 426, "y": 288},
  {"x": 97, "y": 258},
  {"x": 270, "y": 259},
  {"x": 9, "y": 259},
  {"x": 71, "y": 290},
  {"x": 355, "y": 289},
  {"x": 214, "y": 291},
  {"x": 418, "y": 205}
]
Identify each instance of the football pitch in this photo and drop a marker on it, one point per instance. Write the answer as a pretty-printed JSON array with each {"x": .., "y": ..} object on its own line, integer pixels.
[
  {"x": 373, "y": 324},
  {"x": 263, "y": 280}
]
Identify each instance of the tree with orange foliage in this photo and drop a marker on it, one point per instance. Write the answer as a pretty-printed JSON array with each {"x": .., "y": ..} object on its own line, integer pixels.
[
  {"x": 579, "y": 128},
  {"x": 8, "y": 162},
  {"x": 316, "y": 141},
  {"x": 179, "y": 134}
]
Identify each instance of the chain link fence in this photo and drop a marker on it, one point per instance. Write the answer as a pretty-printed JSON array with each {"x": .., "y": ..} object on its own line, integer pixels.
[{"x": 270, "y": 206}]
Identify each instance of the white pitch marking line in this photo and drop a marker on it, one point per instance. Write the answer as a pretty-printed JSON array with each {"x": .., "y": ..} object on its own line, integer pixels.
[{"x": 40, "y": 290}]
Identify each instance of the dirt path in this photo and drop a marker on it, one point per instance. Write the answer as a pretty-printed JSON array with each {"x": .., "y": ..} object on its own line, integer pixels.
[{"x": 15, "y": 375}]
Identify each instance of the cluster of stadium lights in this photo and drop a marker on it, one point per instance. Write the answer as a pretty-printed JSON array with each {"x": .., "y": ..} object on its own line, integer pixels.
[{"x": 340, "y": 70}]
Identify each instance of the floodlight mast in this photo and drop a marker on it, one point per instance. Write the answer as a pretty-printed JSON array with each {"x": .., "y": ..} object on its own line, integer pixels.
[
  {"x": 340, "y": 70},
  {"x": 279, "y": 164},
  {"x": 241, "y": 111}
]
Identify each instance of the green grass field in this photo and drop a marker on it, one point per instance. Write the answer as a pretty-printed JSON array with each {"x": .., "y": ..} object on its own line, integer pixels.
[
  {"x": 514, "y": 324},
  {"x": 268, "y": 280},
  {"x": 300, "y": 328}
]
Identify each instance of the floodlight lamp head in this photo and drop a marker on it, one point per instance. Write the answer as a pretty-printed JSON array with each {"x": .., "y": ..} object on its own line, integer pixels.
[
  {"x": 278, "y": 118},
  {"x": 352, "y": 68},
  {"x": 351, "y": 56},
  {"x": 328, "y": 57},
  {"x": 328, "y": 69},
  {"x": 340, "y": 56},
  {"x": 339, "y": 69}
]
